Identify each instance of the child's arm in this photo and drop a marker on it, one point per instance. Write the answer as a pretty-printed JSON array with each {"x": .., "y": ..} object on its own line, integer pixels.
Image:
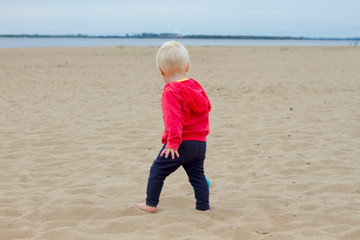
[{"x": 173, "y": 122}]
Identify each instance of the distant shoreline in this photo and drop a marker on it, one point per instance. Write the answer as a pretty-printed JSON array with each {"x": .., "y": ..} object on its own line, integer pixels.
[{"x": 176, "y": 36}]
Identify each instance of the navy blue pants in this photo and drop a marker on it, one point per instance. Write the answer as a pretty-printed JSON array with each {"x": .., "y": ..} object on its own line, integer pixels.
[{"x": 192, "y": 156}]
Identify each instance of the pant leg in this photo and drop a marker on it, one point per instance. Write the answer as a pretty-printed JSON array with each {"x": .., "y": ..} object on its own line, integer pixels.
[
  {"x": 195, "y": 172},
  {"x": 160, "y": 169}
]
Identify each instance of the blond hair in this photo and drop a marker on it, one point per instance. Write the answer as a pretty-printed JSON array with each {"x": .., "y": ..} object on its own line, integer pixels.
[{"x": 172, "y": 57}]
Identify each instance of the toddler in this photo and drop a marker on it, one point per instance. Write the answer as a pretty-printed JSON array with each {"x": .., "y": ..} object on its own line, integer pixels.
[{"x": 186, "y": 108}]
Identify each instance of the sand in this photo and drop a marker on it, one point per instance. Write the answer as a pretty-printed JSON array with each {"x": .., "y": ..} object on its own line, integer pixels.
[{"x": 80, "y": 127}]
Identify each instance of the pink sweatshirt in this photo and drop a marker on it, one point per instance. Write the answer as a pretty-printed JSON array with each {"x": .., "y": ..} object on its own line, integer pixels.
[{"x": 186, "y": 108}]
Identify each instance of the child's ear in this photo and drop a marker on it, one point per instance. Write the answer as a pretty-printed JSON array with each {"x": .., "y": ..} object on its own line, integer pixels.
[
  {"x": 161, "y": 71},
  {"x": 187, "y": 69}
]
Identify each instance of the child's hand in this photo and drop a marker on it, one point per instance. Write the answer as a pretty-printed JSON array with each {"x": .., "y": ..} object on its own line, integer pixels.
[{"x": 168, "y": 151}]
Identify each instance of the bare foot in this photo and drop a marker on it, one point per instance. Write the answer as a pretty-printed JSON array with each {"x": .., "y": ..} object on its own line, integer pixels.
[{"x": 146, "y": 208}]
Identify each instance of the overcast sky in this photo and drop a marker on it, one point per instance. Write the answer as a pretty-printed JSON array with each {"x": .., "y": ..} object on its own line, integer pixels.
[{"x": 310, "y": 18}]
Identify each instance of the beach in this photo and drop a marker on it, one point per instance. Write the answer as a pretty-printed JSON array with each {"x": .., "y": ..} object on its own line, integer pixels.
[{"x": 80, "y": 128}]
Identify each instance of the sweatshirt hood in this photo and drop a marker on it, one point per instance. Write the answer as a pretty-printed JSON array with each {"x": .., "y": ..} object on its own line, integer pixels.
[{"x": 193, "y": 94}]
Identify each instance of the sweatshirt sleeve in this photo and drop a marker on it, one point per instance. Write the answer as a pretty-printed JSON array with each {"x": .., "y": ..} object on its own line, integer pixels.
[{"x": 173, "y": 122}]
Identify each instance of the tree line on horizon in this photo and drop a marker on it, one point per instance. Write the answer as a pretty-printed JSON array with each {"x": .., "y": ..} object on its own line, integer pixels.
[{"x": 174, "y": 36}]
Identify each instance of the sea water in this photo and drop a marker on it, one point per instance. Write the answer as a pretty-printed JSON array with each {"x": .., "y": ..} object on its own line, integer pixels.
[{"x": 21, "y": 42}]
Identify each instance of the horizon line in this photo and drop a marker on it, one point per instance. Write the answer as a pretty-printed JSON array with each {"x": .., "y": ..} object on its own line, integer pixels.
[{"x": 175, "y": 35}]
